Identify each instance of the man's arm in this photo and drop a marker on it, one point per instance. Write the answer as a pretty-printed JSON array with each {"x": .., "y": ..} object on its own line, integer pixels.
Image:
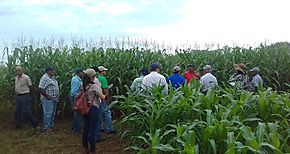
[{"x": 43, "y": 92}]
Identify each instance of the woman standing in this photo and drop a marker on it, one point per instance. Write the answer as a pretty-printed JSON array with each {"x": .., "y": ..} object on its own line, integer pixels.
[{"x": 94, "y": 93}]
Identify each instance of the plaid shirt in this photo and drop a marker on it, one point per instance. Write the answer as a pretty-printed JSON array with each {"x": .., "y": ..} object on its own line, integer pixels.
[{"x": 50, "y": 85}]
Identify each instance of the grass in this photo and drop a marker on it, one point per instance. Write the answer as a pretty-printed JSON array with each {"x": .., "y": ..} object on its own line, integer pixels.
[{"x": 32, "y": 141}]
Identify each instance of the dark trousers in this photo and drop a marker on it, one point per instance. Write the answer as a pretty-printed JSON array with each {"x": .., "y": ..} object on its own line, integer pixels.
[
  {"x": 22, "y": 107},
  {"x": 89, "y": 130}
]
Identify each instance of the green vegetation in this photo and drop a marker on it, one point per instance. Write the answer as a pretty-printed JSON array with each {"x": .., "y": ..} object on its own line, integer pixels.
[
  {"x": 274, "y": 62},
  {"x": 185, "y": 121},
  {"x": 222, "y": 121}
]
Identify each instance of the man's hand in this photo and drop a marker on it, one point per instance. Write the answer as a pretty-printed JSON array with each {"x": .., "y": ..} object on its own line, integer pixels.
[{"x": 48, "y": 97}]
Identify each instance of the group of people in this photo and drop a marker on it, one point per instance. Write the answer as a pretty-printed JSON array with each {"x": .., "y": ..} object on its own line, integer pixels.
[
  {"x": 94, "y": 83},
  {"x": 240, "y": 78}
]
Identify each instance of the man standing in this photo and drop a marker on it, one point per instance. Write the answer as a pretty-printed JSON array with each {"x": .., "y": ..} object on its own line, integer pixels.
[
  {"x": 49, "y": 90},
  {"x": 155, "y": 79},
  {"x": 257, "y": 79},
  {"x": 137, "y": 83},
  {"x": 23, "y": 91},
  {"x": 208, "y": 81},
  {"x": 176, "y": 79},
  {"x": 104, "y": 104},
  {"x": 190, "y": 74},
  {"x": 76, "y": 86}
]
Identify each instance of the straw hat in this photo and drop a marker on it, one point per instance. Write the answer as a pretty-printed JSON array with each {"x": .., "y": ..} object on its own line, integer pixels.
[{"x": 241, "y": 67}]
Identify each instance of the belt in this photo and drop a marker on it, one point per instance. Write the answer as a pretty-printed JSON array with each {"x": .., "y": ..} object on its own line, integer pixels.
[{"x": 23, "y": 94}]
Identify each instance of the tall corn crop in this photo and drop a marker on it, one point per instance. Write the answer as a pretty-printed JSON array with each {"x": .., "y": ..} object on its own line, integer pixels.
[{"x": 123, "y": 64}]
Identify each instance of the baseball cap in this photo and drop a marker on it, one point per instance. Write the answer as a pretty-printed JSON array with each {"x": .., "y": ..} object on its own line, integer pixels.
[
  {"x": 90, "y": 72},
  {"x": 102, "y": 68},
  {"x": 78, "y": 70},
  {"x": 176, "y": 68},
  {"x": 154, "y": 66},
  {"x": 207, "y": 67},
  {"x": 144, "y": 71},
  {"x": 49, "y": 69},
  {"x": 190, "y": 65},
  {"x": 255, "y": 69}
]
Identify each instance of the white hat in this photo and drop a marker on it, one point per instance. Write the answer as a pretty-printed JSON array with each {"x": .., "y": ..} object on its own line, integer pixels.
[
  {"x": 90, "y": 72},
  {"x": 255, "y": 69},
  {"x": 207, "y": 67},
  {"x": 102, "y": 68},
  {"x": 176, "y": 68}
]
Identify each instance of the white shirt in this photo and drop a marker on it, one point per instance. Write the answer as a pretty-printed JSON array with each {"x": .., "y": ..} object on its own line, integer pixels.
[
  {"x": 155, "y": 79},
  {"x": 208, "y": 81},
  {"x": 256, "y": 80}
]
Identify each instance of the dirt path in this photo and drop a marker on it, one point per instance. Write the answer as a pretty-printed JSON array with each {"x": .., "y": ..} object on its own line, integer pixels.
[{"x": 62, "y": 140}]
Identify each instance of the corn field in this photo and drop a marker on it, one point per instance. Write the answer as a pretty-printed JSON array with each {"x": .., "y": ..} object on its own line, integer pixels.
[
  {"x": 185, "y": 121},
  {"x": 222, "y": 121}
]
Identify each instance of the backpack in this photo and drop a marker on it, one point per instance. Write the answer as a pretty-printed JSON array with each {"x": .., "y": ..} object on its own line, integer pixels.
[{"x": 81, "y": 103}]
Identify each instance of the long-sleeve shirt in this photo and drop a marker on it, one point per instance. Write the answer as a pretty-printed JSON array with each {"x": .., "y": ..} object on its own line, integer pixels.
[
  {"x": 240, "y": 80},
  {"x": 76, "y": 85},
  {"x": 155, "y": 79}
]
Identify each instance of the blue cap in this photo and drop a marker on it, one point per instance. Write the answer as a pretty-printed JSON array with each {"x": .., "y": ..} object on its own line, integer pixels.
[
  {"x": 144, "y": 71},
  {"x": 78, "y": 70},
  {"x": 49, "y": 69},
  {"x": 154, "y": 66}
]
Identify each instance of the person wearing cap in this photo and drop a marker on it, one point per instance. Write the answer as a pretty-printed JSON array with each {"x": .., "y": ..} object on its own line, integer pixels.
[
  {"x": 96, "y": 77},
  {"x": 23, "y": 90},
  {"x": 155, "y": 79},
  {"x": 240, "y": 78},
  {"x": 49, "y": 90},
  {"x": 176, "y": 80},
  {"x": 137, "y": 83},
  {"x": 256, "y": 79},
  {"x": 76, "y": 86},
  {"x": 94, "y": 94},
  {"x": 208, "y": 81},
  {"x": 191, "y": 74},
  {"x": 104, "y": 103}
]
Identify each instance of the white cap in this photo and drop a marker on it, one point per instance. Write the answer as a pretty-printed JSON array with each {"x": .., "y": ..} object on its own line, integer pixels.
[
  {"x": 102, "y": 68},
  {"x": 255, "y": 69},
  {"x": 207, "y": 67}
]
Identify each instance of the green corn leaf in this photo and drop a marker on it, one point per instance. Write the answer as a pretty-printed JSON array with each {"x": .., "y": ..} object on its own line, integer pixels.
[{"x": 261, "y": 131}]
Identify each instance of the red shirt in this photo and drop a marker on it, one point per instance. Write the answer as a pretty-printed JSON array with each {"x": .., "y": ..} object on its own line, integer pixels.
[{"x": 189, "y": 76}]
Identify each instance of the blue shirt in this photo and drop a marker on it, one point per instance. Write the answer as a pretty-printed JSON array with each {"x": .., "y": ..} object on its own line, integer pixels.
[
  {"x": 176, "y": 80},
  {"x": 76, "y": 84}
]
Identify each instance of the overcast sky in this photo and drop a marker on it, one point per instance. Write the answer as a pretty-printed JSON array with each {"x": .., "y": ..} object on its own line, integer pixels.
[{"x": 172, "y": 21}]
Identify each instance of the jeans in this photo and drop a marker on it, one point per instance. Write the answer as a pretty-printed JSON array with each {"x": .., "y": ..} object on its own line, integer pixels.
[
  {"x": 89, "y": 131},
  {"x": 22, "y": 107},
  {"x": 49, "y": 109},
  {"x": 104, "y": 107},
  {"x": 77, "y": 117}
]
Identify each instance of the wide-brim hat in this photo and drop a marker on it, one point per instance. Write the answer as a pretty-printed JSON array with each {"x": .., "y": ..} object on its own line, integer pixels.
[{"x": 240, "y": 67}]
